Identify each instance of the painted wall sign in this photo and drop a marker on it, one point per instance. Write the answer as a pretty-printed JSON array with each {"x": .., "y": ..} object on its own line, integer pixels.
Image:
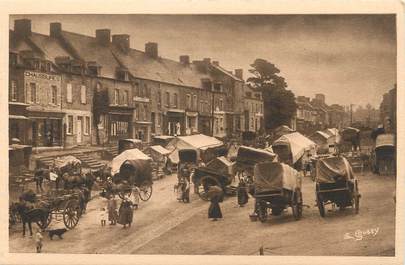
[{"x": 42, "y": 76}]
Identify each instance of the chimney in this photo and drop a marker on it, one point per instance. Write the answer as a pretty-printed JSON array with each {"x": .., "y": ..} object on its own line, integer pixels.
[
  {"x": 184, "y": 59},
  {"x": 55, "y": 29},
  {"x": 103, "y": 36},
  {"x": 215, "y": 63},
  {"x": 22, "y": 28},
  {"x": 207, "y": 60},
  {"x": 151, "y": 49},
  {"x": 121, "y": 41},
  {"x": 239, "y": 73}
]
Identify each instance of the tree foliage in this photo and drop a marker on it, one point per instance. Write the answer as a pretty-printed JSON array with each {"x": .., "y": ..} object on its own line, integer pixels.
[{"x": 279, "y": 103}]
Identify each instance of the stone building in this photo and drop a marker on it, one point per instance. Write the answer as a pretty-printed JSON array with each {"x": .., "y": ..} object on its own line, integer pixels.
[
  {"x": 388, "y": 109},
  {"x": 253, "y": 100}
]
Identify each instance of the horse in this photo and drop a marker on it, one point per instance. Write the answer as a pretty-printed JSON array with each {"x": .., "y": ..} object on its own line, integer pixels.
[
  {"x": 29, "y": 215},
  {"x": 39, "y": 175},
  {"x": 77, "y": 181}
]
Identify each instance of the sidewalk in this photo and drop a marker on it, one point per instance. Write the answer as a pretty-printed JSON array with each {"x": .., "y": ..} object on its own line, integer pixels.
[{"x": 75, "y": 150}]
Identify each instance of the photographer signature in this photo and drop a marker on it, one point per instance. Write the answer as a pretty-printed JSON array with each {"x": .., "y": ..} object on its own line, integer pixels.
[{"x": 359, "y": 234}]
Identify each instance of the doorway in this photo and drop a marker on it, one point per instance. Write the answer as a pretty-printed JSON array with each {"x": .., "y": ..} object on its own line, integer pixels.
[{"x": 79, "y": 129}]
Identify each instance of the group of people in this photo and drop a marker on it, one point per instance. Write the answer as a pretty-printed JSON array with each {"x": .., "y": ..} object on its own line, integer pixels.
[{"x": 122, "y": 215}]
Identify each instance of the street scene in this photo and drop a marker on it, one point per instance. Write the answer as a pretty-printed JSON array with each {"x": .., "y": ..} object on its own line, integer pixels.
[{"x": 175, "y": 137}]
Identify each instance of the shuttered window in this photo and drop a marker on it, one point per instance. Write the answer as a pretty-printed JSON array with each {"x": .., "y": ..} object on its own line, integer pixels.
[
  {"x": 83, "y": 94},
  {"x": 69, "y": 93}
]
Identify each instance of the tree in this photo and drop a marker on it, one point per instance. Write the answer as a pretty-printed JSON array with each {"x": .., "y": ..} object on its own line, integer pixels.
[{"x": 279, "y": 103}]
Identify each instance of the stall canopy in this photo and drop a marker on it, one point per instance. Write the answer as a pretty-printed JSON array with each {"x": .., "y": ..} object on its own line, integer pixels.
[
  {"x": 66, "y": 160},
  {"x": 273, "y": 176},
  {"x": 333, "y": 168},
  {"x": 199, "y": 142},
  {"x": 128, "y": 155},
  {"x": 159, "y": 149},
  {"x": 387, "y": 139},
  {"x": 298, "y": 144},
  {"x": 250, "y": 155}
]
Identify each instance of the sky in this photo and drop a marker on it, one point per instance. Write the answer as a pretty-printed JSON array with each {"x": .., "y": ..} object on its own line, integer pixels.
[{"x": 349, "y": 58}]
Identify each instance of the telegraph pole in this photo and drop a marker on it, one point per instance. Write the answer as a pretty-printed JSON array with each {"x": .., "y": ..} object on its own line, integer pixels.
[
  {"x": 351, "y": 114},
  {"x": 212, "y": 112}
]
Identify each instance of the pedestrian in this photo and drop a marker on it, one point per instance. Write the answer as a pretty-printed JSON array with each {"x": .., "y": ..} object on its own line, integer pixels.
[
  {"x": 125, "y": 212},
  {"x": 214, "y": 211},
  {"x": 39, "y": 178},
  {"x": 185, "y": 188},
  {"x": 102, "y": 216},
  {"x": 135, "y": 197},
  {"x": 38, "y": 240},
  {"x": 112, "y": 210},
  {"x": 243, "y": 196}
]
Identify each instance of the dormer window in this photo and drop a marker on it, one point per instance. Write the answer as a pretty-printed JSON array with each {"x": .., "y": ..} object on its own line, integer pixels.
[
  {"x": 77, "y": 69},
  {"x": 93, "y": 69},
  {"x": 122, "y": 75},
  {"x": 206, "y": 84},
  {"x": 218, "y": 87},
  {"x": 249, "y": 94}
]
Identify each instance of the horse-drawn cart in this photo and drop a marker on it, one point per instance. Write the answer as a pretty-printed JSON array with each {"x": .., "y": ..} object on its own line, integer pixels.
[
  {"x": 336, "y": 184},
  {"x": 218, "y": 172},
  {"x": 130, "y": 169},
  {"x": 276, "y": 186}
]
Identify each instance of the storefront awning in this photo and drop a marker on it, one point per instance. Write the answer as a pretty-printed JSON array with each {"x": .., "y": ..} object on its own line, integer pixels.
[
  {"x": 17, "y": 117},
  {"x": 192, "y": 114}
]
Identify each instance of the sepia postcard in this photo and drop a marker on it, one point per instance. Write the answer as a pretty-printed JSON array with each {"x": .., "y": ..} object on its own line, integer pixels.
[{"x": 210, "y": 132}]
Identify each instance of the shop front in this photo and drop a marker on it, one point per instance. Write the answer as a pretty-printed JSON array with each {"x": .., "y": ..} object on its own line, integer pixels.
[
  {"x": 191, "y": 122},
  {"x": 46, "y": 128},
  {"x": 18, "y": 122},
  {"x": 142, "y": 130},
  {"x": 204, "y": 124},
  {"x": 175, "y": 123},
  {"x": 119, "y": 123}
]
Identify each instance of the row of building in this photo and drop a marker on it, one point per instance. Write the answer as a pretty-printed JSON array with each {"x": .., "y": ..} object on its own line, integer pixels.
[
  {"x": 68, "y": 89},
  {"x": 314, "y": 114}
]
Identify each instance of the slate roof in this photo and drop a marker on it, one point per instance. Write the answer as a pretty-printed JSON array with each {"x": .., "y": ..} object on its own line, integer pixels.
[
  {"x": 49, "y": 46},
  {"x": 89, "y": 50},
  {"x": 163, "y": 70}
]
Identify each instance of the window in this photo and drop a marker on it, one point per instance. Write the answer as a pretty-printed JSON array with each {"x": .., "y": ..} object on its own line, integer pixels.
[
  {"x": 145, "y": 112},
  {"x": 201, "y": 106},
  {"x": 54, "y": 94},
  {"x": 249, "y": 94},
  {"x": 13, "y": 59},
  {"x": 206, "y": 84},
  {"x": 116, "y": 96},
  {"x": 167, "y": 99},
  {"x": 137, "y": 110},
  {"x": 188, "y": 101},
  {"x": 48, "y": 67},
  {"x": 194, "y": 102},
  {"x": 13, "y": 90},
  {"x": 125, "y": 99},
  {"x": 69, "y": 93},
  {"x": 70, "y": 124},
  {"x": 137, "y": 89},
  {"x": 221, "y": 105},
  {"x": 159, "y": 119},
  {"x": 92, "y": 70},
  {"x": 175, "y": 100},
  {"x": 87, "y": 126},
  {"x": 159, "y": 99},
  {"x": 83, "y": 93},
  {"x": 217, "y": 87},
  {"x": 77, "y": 69},
  {"x": 33, "y": 89}
]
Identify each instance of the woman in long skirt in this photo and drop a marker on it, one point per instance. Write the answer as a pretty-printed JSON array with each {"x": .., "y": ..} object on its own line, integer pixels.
[
  {"x": 125, "y": 213},
  {"x": 243, "y": 196},
  {"x": 112, "y": 209},
  {"x": 214, "y": 211}
]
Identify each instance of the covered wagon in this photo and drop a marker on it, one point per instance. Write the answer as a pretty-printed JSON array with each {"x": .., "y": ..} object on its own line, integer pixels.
[
  {"x": 276, "y": 187},
  {"x": 336, "y": 184}
]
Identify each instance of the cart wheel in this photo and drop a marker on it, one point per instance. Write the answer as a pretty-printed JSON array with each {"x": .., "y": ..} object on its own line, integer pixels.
[
  {"x": 71, "y": 214},
  {"x": 145, "y": 192},
  {"x": 204, "y": 184},
  {"x": 297, "y": 205},
  {"x": 320, "y": 204},
  {"x": 262, "y": 213}
]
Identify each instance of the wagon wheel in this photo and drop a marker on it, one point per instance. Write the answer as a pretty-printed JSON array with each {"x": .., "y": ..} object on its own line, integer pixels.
[
  {"x": 320, "y": 204},
  {"x": 204, "y": 185},
  {"x": 145, "y": 192},
  {"x": 262, "y": 212},
  {"x": 71, "y": 214},
  {"x": 356, "y": 197},
  {"x": 297, "y": 205}
]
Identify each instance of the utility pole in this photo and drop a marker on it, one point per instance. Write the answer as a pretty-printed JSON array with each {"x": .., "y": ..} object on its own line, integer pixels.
[{"x": 351, "y": 114}]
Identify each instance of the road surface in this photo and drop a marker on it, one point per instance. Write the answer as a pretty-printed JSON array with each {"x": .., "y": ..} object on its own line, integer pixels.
[{"x": 164, "y": 226}]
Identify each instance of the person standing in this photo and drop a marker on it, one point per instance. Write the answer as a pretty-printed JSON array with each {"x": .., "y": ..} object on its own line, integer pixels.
[
  {"x": 125, "y": 212},
  {"x": 214, "y": 211},
  {"x": 38, "y": 240},
  {"x": 135, "y": 197},
  {"x": 186, "y": 191},
  {"x": 112, "y": 210},
  {"x": 243, "y": 196},
  {"x": 102, "y": 216}
]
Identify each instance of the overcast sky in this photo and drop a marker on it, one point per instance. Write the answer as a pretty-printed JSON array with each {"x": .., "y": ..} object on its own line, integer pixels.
[{"x": 349, "y": 58}]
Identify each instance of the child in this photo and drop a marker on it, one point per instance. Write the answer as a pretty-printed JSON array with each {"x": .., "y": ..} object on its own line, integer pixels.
[
  {"x": 102, "y": 216},
  {"x": 38, "y": 240}
]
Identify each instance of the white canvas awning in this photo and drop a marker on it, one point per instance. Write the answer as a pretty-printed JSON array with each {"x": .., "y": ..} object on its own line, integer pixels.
[
  {"x": 131, "y": 154},
  {"x": 298, "y": 144}
]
